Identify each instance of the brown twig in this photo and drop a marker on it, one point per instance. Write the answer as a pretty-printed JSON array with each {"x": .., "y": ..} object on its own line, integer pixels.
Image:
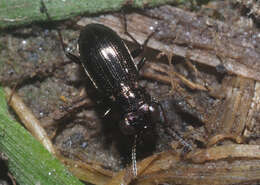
[{"x": 29, "y": 120}]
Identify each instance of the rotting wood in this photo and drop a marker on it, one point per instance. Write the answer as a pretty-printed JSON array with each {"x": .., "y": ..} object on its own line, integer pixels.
[
  {"x": 170, "y": 168},
  {"x": 252, "y": 122},
  {"x": 233, "y": 111}
]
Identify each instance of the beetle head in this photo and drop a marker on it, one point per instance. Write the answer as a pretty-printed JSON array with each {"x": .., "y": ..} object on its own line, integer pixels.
[{"x": 137, "y": 121}]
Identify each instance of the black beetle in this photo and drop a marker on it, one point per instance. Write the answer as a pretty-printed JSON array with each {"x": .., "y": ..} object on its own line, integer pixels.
[{"x": 110, "y": 66}]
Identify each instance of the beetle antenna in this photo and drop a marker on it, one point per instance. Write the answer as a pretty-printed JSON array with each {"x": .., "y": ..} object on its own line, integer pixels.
[{"x": 134, "y": 157}]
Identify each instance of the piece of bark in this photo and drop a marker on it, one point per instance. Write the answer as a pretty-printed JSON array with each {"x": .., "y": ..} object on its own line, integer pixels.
[
  {"x": 168, "y": 167},
  {"x": 233, "y": 115},
  {"x": 253, "y": 6},
  {"x": 199, "y": 38}
]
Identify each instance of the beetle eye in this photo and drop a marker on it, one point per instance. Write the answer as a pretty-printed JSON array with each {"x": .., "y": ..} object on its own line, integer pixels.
[{"x": 131, "y": 118}]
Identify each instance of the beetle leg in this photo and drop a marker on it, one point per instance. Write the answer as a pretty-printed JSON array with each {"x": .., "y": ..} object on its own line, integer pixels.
[
  {"x": 128, "y": 34},
  {"x": 141, "y": 63},
  {"x": 43, "y": 9},
  {"x": 187, "y": 146},
  {"x": 162, "y": 109},
  {"x": 141, "y": 47},
  {"x": 73, "y": 57},
  {"x": 135, "y": 53}
]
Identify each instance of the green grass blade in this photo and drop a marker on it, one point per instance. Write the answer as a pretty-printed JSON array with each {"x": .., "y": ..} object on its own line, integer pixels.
[
  {"x": 28, "y": 161},
  {"x": 22, "y": 12}
]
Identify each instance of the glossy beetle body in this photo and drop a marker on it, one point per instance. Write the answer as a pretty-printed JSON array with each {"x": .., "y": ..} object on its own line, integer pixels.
[
  {"x": 106, "y": 59},
  {"x": 109, "y": 65}
]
